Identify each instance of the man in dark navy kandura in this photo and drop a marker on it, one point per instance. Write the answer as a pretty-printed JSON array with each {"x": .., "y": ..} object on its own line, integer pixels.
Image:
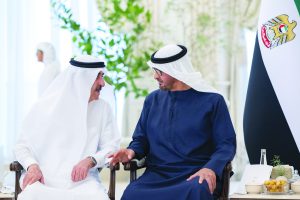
[{"x": 184, "y": 131}]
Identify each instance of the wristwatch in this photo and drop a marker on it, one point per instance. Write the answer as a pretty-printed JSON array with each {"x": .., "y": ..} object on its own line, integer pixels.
[{"x": 93, "y": 160}]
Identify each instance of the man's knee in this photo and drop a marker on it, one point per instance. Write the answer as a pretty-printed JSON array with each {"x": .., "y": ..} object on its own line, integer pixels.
[
  {"x": 31, "y": 192},
  {"x": 201, "y": 189}
]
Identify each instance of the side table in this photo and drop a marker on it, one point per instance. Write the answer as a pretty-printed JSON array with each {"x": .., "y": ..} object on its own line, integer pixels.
[
  {"x": 263, "y": 196},
  {"x": 7, "y": 196}
]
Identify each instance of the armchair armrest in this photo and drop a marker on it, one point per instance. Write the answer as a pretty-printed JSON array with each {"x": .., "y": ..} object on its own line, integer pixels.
[
  {"x": 112, "y": 181},
  {"x": 134, "y": 165},
  {"x": 227, "y": 173},
  {"x": 15, "y": 166},
  {"x": 114, "y": 168}
]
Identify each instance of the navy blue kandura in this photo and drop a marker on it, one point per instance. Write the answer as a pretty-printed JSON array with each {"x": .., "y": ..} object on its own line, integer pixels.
[{"x": 180, "y": 132}]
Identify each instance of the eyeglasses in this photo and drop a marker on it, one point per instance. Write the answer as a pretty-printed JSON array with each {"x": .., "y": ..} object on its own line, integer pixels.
[{"x": 158, "y": 72}]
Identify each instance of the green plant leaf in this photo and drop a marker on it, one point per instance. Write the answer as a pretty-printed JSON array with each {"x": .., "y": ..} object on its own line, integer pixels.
[
  {"x": 112, "y": 39},
  {"x": 108, "y": 80}
]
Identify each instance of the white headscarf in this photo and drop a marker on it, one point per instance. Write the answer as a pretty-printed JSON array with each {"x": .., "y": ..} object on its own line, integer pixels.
[
  {"x": 173, "y": 60},
  {"x": 56, "y": 126},
  {"x": 51, "y": 69}
]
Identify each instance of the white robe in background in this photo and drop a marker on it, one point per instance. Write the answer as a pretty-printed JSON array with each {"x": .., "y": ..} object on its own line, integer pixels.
[
  {"x": 49, "y": 73},
  {"x": 102, "y": 138},
  {"x": 51, "y": 66}
]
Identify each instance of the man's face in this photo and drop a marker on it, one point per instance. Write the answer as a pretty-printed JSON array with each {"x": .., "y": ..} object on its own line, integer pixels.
[
  {"x": 97, "y": 86},
  {"x": 165, "y": 81},
  {"x": 39, "y": 55}
]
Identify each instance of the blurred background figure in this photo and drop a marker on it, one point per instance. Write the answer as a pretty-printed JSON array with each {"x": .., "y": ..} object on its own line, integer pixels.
[{"x": 46, "y": 54}]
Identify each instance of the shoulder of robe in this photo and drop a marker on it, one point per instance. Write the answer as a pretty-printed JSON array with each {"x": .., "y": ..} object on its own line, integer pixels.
[
  {"x": 103, "y": 105},
  {"x": 152, "y": 95},
  {"x": 213, "y": 97}
]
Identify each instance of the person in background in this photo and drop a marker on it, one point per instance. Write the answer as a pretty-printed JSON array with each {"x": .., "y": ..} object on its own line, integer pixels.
[{"x": 47, "y": 55}]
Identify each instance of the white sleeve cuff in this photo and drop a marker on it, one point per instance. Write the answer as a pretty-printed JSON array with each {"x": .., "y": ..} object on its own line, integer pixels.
[{"x": 29, "y": 161}]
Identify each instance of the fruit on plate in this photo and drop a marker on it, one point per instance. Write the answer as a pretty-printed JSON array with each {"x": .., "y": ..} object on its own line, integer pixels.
[{"x": 275, "y": 185}]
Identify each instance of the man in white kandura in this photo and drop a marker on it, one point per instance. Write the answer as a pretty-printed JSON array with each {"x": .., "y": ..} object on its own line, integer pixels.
[{"x": 67, "y": 135}]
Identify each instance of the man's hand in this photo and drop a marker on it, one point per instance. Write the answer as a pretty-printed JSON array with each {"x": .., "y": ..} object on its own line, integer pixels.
[
  {"x": 208, "y": 175},
  {"x": 33, "y": 175},
  {"x": 123, "y": 155},
  {"x": 80, "y": 171}
]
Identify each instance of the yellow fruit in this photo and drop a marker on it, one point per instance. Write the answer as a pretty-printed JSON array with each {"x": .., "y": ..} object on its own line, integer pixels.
[
  {"x": 273, "y": 182},
  {"x": 266, "y": 182},
  {"x": 275, "y": 185},
  {"x": 282, "y": 182}
]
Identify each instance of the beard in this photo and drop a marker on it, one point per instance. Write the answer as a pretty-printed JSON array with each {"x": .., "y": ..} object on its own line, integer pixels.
[
  {"x": 95, "y": 92},
  {"x": 163, "y": 87},
  {"x": 165, "y": 84},
  {"x": 98, "y": 89}
]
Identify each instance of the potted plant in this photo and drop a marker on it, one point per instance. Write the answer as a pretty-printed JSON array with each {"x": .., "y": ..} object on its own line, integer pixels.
[{"x": 279, "y": 170}]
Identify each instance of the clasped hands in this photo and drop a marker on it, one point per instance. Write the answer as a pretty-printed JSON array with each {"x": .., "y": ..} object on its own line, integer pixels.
[
  {"x": 79, "y": 172},
  {"x": 125, "y": 155}
]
